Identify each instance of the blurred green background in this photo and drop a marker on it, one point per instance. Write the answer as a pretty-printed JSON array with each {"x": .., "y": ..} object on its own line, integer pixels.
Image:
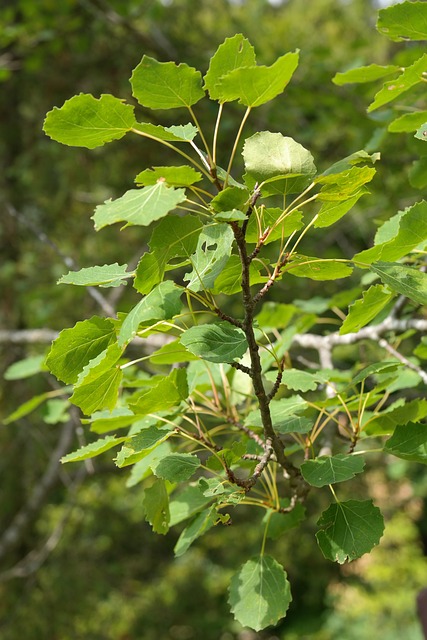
[{"x": 77, "y": 559}]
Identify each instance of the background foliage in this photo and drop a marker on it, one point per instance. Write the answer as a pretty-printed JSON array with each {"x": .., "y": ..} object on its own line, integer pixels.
[{"x": 88, "y": 565}]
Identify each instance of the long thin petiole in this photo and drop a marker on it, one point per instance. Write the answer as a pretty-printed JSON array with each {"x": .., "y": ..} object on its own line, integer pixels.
[
  {"x": 215, "y": 136},
  {"x": 236, "y": 142},
  {"x": 199, "y": 128}
]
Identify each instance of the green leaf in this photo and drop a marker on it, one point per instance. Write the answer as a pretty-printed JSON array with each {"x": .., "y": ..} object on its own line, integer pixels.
[
  {"x": 300, "y": 380},
  {"x": 147, "y": 464},
  {"x": 412, "y": 76},
  {"x": 385, "y": 422},
  {"x": 408, "y": 122},
  {"x": 404, "y": 21},
  {"x": 332, "y": 211},
  {"x": 268, "y": 218},
  {"x": 165, "y": 85},
  {"x": 409, "y": 442},
  {"x": 421, "y": 350},
  {"x": 211, "y": 256},
  {"x": 418, "y": 172},
  {"x": 229, "y": 280},
  {"x": 169, "y": 392},
  {"x": 76, "y": 347},
  {"x": 294, "y": 424},
  {"x": 358, "y": 157},
  {"x": 421, "y": 133},
  {"x": 109, "y": 275},
  {"x": 172, "y": 238},
  {"x": 405, "y": 280},
  {"x": 177, "y": 467},
  {"x": 56, "y": 411},
  {"x": 270, "y": 155},
  {"x": 139, "y": 206},
  {"x": 183, "y": 176},
  {"x": 260, "y": 593},
  {"x": 25, "y": 368},
  {"x": 156, "y": 506},
  {"x": 84, "y": 121},
  {"x": 141, "y": 444},
  {"x": 93, "y": 449},
  {"x": 219, "y": 342},
  {"x": 318, "y": 269},
  {"x": 172, "y": 353},
  {"x": 281, "y": 412},
  {"x": 230, "y": 198},
  {"x": 275, "y": 315},
  {"x": 368, "y": 73},
  {"x": 256, "y": 85},
  {"x": 230, "y": 216},
  {"x": 362, "y": 311},
  {"x": 349, "y": 529},
  {"x": 180, "y": 133},
  {"x": 412, "y": 232},
  {"x": 373, "y": 369},
  {"x": 186, "y": 503},
  {"x": 98, "y": 393},
  {"x": 233, "y": 53},
  {"x": 199, "y": 525},
  {"x": 345, "y": 184},
  {"x": 104, "y": 421},
  {"x": 26, "y": 408},
  {"x": 331, "y": 469},
  {"x": 161, "y": 304}
]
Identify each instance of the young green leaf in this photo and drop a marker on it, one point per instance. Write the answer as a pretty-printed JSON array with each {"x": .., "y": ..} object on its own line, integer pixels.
[
  {"x": 254, "y": 86},
  {"x": 349, "y": 529},
  {"x": 372, "y": 369},
  {"x": 84, "y": 121},
  {"x": 229, "y": 280},
  {"x": 145, "y": 467},
  {"x": 139, "y": 206},
  {"x": 331, "y": 469},
  {"x": 219, "y": 342},
  {"x": 405, "y": 280},
  {"x": 172, "y": 353},
  {"x": 282, "y": 411},
  {"x": 260, "y": 593},
  {"x": 98, "y": 393},
  {"x": 172, "y": 176},
  {"x": 233, "y": 53},
  {"x": 331, "y": 211},
  {"x": 26, "y": 407},
  {"x": 300, "y": 380},
  {"x": 177, "y": 467},
  {"x": 165, "y": 85},
  {"x": 404, "y": 21},
  {"x": 93, "y": 449},
  {"x": 156, "y": 506},
  {"x": 76, "y": 347},
  {"x": 412, "y": 76},
  {"x": 161, "y": 304},
  {"x": 362, "y": 311},
  {"x": 269, "y": 155},
  {"x": 409, "y": 442},
  {"x": 109, "y": 275},
  {"x": 186, "y": 503},
  {"x": 368, "y": 73},
  {"x": 137, "y": 447},
  {"x": 386, "y": 421}
]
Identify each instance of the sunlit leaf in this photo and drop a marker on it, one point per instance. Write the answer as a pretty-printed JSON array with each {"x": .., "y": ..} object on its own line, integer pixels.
[
  {"x": 139, "y": 206},
  {"x": 172, "y": 176},
  {"x": 405, "y": 280},
  {"x": 421, "y": 133},
  {"x": 165, "y": 85},
  {"x": 368, "y": 73},
  {"x": 93, "y": 449},
  {"x": 362, "y": 311},
  {"x": 179, "y": 133},
  {"x": 260, "y": 593},
  {"x": 256, "y": 85},
  {"x": 233, "y": 53},
  {"x": 170, "y": 391},
  {"x": 404, "y": 21},
  {"x": 408, "y": 122},
  {"x": 109, "y": 275},
  {"x": 177, "y": 467},
  {"x": 84, "y": 121},
  {"x": 25, "y": 368},
  {"x": 76, "y": 347},
  {"x": 212, "y": 253},
  {"x": 412, "y": 76},
  {"x": 318, "y": 269}
]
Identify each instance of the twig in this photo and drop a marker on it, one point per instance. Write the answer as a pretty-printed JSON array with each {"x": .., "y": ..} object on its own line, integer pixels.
[{"x": 411, "y": 365}]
